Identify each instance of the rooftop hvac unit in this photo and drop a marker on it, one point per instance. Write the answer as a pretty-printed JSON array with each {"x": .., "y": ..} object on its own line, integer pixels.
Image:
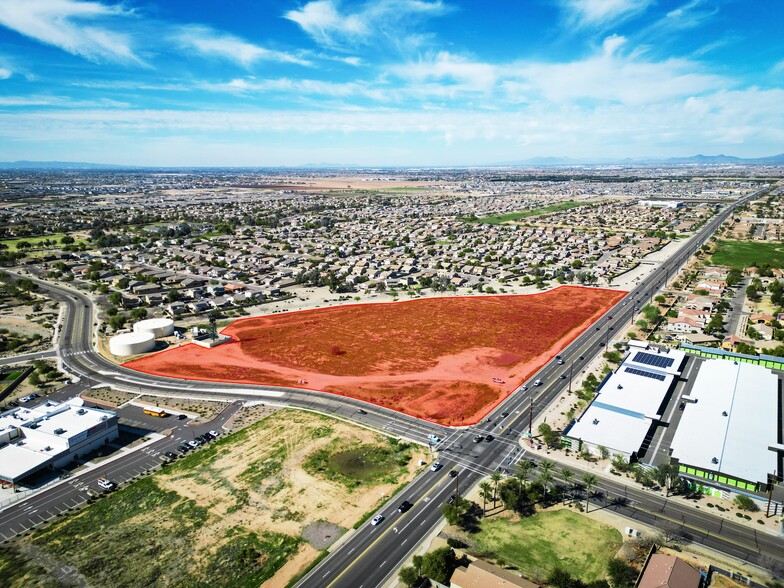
[
  {"x": 81, "y": 411},
  {"x": 59, "y": 431}
]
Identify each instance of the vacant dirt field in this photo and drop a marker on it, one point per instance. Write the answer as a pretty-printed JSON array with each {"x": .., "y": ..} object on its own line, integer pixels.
[
  {"x": 241, "y": 511},
  {"x": 449, "y": 360}
]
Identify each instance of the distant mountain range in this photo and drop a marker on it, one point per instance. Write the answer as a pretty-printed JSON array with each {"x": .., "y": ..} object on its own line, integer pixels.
[
  {"x": 693, "y": 160},
  {"x": 532, "y": 162}
]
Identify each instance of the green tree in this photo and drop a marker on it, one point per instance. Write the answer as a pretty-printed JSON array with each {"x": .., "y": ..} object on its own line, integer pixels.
[
  {"x": 116, "y": 298},
  {"x": 746, "y": 503},
  {"x": 568, "y": 476},
  {"x": 620, "y": 573},
  {"x": 485, "y": 491},
  {"x": 439, "y": 564},
  {"x": 590, "y": 481},
  {"x": 409, "y": 576},
  {"x": 496, "y": 478},
  {"x": 34, "y": 379},
  {"x": 66, "y": 240},
  {"x": 139, "y": 314}
]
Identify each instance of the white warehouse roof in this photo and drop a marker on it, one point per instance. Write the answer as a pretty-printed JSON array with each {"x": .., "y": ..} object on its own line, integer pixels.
[
  {"x": 734, "y": 420},
  {"x": 628, "y": 402}
]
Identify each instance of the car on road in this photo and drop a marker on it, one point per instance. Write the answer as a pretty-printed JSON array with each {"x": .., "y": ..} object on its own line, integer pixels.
[
  {"x": 524, "y": 388},
  {"x": 581, "y": 358},
  {"x": 560, "y": 362},
  {"x": 433, "y": 438},
  {"x": 436, "y": 466},
  {"x": 453, "y": 473},
  {"x": 376, "y": 520},
  {"x": 563, "y": 376},
  {"x": 360, "y": 411},
  {"x": 504, "y": 414},
  {"x": 489, "y": 438},
  {"x": 404, "y": 506},
  {"x": 451, "y": 499},
  {"x": 478, "y": 438},
  {"x": 538, "y": 383},
  {"x": 105, "y": 483},
  {"x": 182, "y": 417}
]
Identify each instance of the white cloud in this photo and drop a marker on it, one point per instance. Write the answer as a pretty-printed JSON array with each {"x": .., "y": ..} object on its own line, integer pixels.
[
  {"x": 379, "y": 20},
  {"x": 455, "y": 73},
  {"x": 600, "y": 13},
  {"x": 211, "y": 43},
  {"x": 614, "y": 77},
  {"x": 5, "y": 73},
  {"x": 78, "y": 27}
]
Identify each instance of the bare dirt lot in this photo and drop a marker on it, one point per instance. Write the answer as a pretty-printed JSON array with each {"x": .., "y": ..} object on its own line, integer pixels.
[{"x": 448, "y": 360}]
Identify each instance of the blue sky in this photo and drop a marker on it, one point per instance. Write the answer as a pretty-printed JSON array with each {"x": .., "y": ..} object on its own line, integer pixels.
[{"x": 388, "y": 82}]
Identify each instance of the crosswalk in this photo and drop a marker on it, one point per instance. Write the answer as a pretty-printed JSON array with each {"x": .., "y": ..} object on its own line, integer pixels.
[{"x": 71, "y": 353}]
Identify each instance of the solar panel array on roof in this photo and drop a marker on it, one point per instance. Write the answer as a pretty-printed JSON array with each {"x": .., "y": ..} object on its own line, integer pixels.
[
  {"x": 660, "y": 361},
  {"x": 645, "y": 373}
]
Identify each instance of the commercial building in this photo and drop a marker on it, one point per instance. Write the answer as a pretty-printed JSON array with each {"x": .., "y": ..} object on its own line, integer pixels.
[
  {"x": 662, "y": 203},
  {"x": 629, "y": 404},
  {"x": 50, "y": 435},
  {"x": 729, "y": 436}
]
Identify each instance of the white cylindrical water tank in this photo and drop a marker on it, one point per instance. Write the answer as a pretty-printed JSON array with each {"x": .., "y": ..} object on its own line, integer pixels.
[
  {"x": 159, "y": 327},
  {"x": 131, "y": 343}
]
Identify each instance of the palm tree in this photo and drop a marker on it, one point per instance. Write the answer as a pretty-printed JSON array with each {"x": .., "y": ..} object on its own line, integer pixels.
[
  {"x": 495, "y": 477},
  {"x": 524, "y": 469},
  {"x": 590, "y": 481},
  {"x": 545, "y": 477},
  {"x": 546, "y": 465},
  {"x": 484, "y": 491},
  {"x": 567, "y": 476}
]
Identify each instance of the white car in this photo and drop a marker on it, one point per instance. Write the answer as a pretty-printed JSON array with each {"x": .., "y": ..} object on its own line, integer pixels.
[
  {"x": 436, "y": 466},
  {"x": 433, "y": 438},
  {"x": 105, "y": 484},
  {"x": 376, "y": 520},
  {"x": 214, "y": 433},
  {"x": 193, "y": 444}
]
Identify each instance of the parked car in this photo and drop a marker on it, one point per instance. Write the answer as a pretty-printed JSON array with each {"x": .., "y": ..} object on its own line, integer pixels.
[
  {"x": 105, "y": 483},
  {"x": 170, "y": 454},
  {"x": 194, "y": 444},
  {"x": 215, "y": 434}
]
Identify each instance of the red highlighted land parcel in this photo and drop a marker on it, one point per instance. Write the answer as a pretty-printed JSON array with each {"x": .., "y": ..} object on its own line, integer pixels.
[{"x": 448, "y": 360}]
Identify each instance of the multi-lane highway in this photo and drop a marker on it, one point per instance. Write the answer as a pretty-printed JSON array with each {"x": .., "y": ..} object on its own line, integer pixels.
[{"x": 373, "y": 553}]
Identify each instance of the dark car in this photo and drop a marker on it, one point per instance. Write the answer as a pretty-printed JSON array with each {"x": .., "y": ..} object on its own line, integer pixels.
[
  {"x": 563, "y": 376},
  {"x": 360, "y": 411},
  {"x": 181, "y": 417},
  {"x": 451, "y": 499},
  {"x": 489, "y": 438},
  {"x": 504, "y": 414},
  {"x": 453, "y": 474},
  {"x": 404, "y": 506},
  {"x": 170, "y": 454},
  {"x": 183, "y": 448}
]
